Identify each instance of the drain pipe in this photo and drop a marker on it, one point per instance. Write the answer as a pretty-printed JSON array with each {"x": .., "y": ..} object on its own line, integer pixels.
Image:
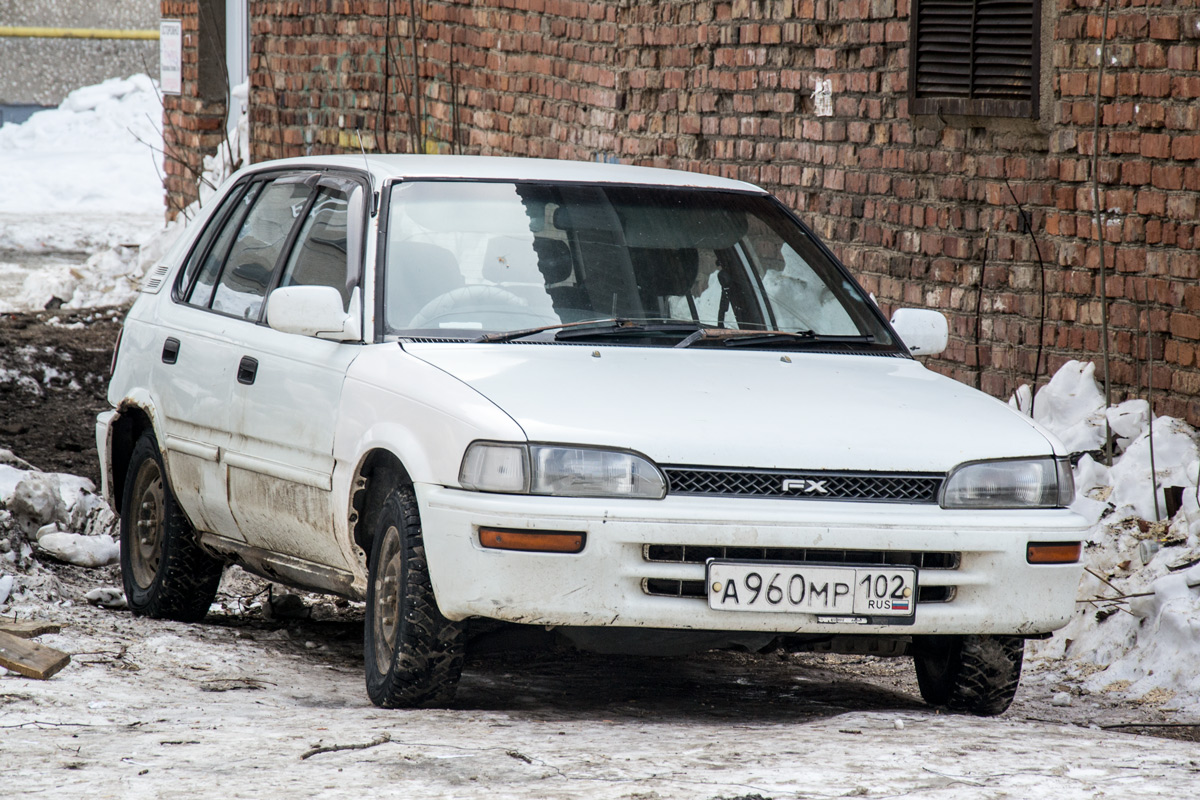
[
  {"x": 73, "y": 33},
  {"x": 1108, "y": 453}
]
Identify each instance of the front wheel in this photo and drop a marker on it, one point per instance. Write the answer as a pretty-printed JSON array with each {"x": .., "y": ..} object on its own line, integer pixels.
[
  {"x": 413, "y": 654},
  {"x": 975, "y": 674},
  {"x": 165, "y": 572}
]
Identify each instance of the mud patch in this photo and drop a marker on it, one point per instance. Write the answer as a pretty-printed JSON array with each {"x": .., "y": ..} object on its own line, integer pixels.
[{"x": 53, "y": 379}]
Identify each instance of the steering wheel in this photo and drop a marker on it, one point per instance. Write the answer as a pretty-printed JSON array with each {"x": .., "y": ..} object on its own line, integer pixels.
[{"x": 467, "y": 302}]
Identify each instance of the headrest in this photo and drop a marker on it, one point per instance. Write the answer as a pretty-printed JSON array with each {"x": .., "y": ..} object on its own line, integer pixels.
[
  {"x": 664, "y": 273},
  {"x": 554, "y": 259}
]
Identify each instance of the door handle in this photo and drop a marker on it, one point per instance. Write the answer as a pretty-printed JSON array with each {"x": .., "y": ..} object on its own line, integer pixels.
[
  {"x": 247, "y": 370},
  {"x": 170, "y": 353}
]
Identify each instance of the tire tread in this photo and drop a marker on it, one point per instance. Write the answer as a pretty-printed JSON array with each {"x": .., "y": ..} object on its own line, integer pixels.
[
  {"x": 974, "y": 674},
  {"x": 428, "y": 659},
  {"x": 188, "y": 577}
]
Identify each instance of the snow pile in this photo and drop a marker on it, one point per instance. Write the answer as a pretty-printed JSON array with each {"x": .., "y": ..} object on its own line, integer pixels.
[
  {"x": 51, "y": 514},
  {"x": 84, "y": 175},
  {"x": 85, "y": 178},
  {"x": 1136, "y": 631}
]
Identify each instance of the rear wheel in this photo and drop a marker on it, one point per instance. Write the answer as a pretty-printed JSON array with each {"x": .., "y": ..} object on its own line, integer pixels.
[
  {"x": 413, "y": 654},
  {"x": 165, "y": 573},
  {"x": 975, "y": 674}
]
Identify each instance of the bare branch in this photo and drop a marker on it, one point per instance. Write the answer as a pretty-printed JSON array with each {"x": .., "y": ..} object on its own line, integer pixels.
[{"x": 334, "y": 748}]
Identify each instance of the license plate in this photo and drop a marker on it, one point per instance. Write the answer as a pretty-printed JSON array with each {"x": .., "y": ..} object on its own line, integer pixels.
[{"x": 804, "y": 589}]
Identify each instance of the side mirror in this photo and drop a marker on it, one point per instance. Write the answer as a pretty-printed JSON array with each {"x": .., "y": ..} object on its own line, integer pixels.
[
  {"x": 313, "y": 311},
  {"x": 924, "y": 333}
]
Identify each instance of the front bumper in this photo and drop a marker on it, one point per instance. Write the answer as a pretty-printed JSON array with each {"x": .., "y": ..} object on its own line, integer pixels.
[{"x": 992, "y": 591}]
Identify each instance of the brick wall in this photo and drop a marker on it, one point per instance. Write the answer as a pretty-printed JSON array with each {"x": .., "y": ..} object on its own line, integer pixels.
[
  {"x": 926, "y": 211},
  {"x": 193, "y": 121}
]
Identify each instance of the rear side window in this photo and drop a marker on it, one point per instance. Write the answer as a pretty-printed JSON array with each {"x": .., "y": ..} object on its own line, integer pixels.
[
  {"x": 260, "y": 240},
  {"x": 210, "y": 258}
]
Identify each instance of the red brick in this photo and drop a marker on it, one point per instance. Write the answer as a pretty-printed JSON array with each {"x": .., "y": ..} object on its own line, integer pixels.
[
  {"x": 1164, "y": 27},
  {"x": 1155, "y": 146}
]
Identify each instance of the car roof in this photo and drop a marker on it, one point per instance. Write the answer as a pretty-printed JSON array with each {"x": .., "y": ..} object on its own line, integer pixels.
[{"x": 494, "y": 168}]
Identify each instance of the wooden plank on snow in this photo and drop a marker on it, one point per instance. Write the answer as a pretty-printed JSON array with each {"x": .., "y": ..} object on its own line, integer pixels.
[
  {"x": 28, "y": 628},
  {"x": 29, "y": 658}
]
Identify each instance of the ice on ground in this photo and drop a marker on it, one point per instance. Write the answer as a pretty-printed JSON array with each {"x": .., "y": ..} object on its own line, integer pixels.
[
  {"x": 41, "y": 498},
  {"x": 107, "y": 596}
]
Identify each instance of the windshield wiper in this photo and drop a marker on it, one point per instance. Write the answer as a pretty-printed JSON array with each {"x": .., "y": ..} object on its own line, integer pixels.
[
  {"x": 750, "y": 338},
  {"x": 628, "y": 327},
  {"x": 509, "y": 336}
]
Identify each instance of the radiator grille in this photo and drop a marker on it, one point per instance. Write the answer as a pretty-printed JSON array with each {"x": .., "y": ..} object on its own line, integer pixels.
[
  {"x": 698, "y": 554},
  {"x": 880, "y": 487}
]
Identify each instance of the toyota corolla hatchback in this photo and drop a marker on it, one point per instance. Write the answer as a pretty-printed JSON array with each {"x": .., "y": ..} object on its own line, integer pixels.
[{"x": 647, "y": 409}]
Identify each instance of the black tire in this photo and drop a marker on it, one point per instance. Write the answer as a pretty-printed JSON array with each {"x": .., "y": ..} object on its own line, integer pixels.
[
  {"x": 166, "y": 574},
  {"x": 975, "y": 674},
  {"x": 413, "y": 655}
]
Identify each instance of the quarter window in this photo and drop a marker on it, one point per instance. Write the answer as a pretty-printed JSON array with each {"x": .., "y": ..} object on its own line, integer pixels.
[{"x": 977, "y": 57}]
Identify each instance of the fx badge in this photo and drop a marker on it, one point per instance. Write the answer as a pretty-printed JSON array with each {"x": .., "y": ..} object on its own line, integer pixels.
[{"x": 805, "y": 485}]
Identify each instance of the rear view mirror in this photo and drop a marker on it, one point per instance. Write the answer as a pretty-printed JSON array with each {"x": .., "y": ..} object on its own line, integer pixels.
[
  {"x": 313, "y": 311},
  {"x": 924, "y": 332}
]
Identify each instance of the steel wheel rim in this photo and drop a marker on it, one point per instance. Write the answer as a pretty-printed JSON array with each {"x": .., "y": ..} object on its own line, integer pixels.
[
  {"x": 386, "y": 606},
  {"x": 146, "y": 537}
]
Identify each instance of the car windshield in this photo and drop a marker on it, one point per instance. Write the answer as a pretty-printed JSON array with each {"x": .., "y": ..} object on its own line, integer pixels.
[{"x": 651, "y": 265}]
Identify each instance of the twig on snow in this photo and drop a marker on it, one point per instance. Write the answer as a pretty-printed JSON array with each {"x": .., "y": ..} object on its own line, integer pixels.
[
  {"x": 1102, "y": 579},
  {"x": 334, "y": 748},
  {"x": 1150, "y": 725},
  {"x": 955, "y": 778}
]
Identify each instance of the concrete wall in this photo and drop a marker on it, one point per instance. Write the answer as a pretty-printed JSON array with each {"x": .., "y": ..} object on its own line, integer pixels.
[{"x": 43, "y": 71}]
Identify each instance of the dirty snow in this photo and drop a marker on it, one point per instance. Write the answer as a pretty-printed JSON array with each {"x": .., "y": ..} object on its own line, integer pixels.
[{"x": 1136, "y": 631}]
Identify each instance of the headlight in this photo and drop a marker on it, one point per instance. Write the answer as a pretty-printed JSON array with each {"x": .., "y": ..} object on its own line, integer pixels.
[
  {"x": 1016, "y": 483},
  {"x": 559, "y": 470}
]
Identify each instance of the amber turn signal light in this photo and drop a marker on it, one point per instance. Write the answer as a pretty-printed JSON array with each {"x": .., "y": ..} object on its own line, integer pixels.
[
  {"x": 531, "y": 541},
  {"x": 1053, "y": 552}
]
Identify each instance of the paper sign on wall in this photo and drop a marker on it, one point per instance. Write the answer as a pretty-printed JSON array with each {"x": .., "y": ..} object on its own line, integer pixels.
[{"x": 170, "y": 54}]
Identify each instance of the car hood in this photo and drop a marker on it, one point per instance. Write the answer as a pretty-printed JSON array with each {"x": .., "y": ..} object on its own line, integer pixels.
[{"x": 741, "y": 408}]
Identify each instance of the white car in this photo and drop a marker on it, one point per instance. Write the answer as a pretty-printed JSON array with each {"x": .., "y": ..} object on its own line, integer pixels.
[{"x": 645, "y": 408}]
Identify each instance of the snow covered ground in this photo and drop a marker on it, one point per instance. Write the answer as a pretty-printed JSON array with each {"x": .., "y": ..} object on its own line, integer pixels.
[
  {"x": 151, "y": 710},
  {"x": 1136, "y": 632}
]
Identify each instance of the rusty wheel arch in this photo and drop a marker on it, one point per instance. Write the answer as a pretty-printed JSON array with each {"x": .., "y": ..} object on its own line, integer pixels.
[
  {"x": 378, "y": 471},
  {"x": 126, "y": 427}
]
